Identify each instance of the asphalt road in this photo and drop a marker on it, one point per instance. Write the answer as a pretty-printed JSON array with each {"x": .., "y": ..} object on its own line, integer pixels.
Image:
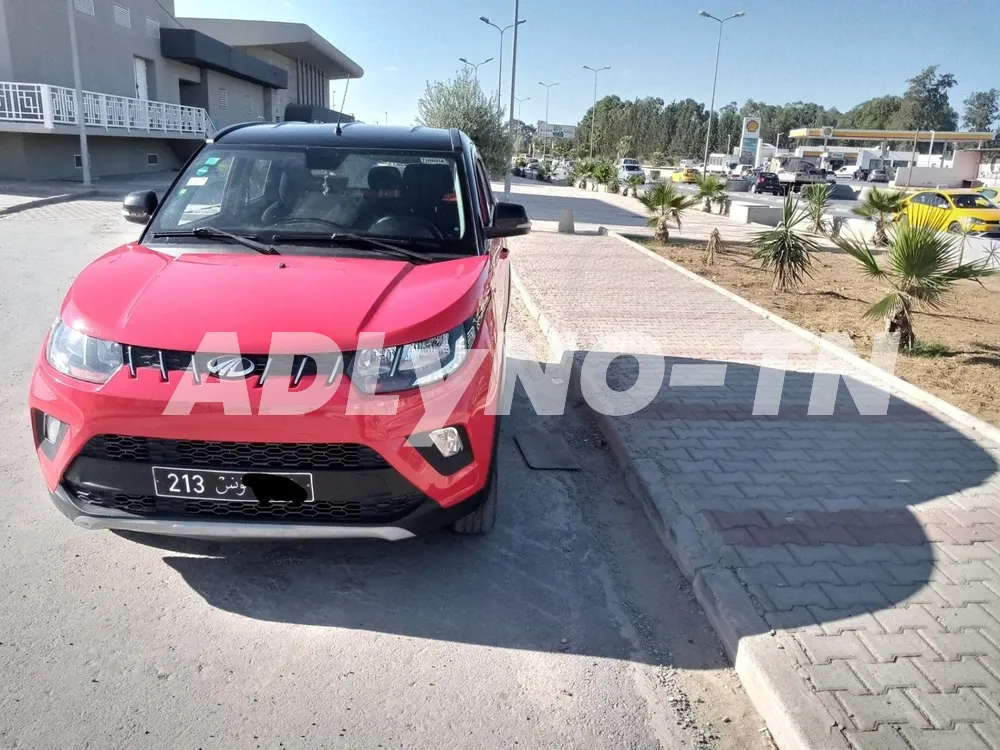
[{"x": 569, "y": 626}]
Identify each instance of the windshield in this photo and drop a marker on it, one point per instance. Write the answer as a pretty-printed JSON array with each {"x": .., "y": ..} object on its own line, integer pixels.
[
  {"x": 303, "y": 190},
  {"x": 972, "y": 201}
]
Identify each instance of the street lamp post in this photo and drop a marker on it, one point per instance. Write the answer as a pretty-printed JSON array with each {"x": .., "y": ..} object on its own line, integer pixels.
[
  {"x": 519, "y": 102},
  {"x": 488, "y": 22},
  {"x": 593, "y": 117},
  {"x": 475, "y": 66},
  {"x": 513, "y": 81},
  {"x": 715, "y": 79},
  {"x": 548, "y": 89},
  {"x": 78, "y": 96}
]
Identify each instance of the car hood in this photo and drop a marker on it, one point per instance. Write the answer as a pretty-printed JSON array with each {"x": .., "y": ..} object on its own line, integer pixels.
[
  {"x": 983, "y": 214},
  {"x": 135, "y": 295}
]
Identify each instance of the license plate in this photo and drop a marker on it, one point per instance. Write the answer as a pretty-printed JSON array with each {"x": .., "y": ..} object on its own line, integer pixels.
[{"x": 188, "y": 484}]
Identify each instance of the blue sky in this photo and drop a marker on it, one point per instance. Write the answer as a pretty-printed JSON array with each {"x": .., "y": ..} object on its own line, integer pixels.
[{"x": 859, "y": 48}]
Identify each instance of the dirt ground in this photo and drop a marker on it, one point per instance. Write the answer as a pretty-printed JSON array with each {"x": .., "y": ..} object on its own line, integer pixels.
[{"x": 961, "y": 341}]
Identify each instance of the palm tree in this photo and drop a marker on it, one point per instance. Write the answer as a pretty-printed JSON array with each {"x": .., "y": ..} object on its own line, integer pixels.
[
  {"x": 663, "y": 202},
  {"x": 920, "y": 269},
  {"x": 785, "y": 250},
  {"x": 817, "y": 197},
  {"x": 633, "y": 183},
  {"x": 882, "y": 207},
  {"x": 582, "y": 171},
  {"x": 710, "y": 189}
]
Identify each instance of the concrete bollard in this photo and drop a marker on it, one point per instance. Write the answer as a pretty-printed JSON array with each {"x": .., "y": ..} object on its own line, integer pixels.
[{"x": 566, "y": 221}]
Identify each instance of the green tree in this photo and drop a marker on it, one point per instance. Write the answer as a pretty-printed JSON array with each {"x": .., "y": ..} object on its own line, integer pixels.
[
  {"x": 785, "y": 250},
  {"x": 981, "y": 110},
  {"x": 882, "y": 207},
  {"x": 925, "y": 104},
  {"x": 817, "y": 198},
  {"x": 461, "y": 103},
  {"x": 874, "y": 114},
  {"x": 710, "y": 189},
  {"x": 663, "y": 202},
  {"x": 920, "y": 269}
]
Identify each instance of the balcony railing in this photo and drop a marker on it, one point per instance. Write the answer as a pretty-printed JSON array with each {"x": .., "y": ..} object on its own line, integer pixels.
[{"x": 56, "y": 105}]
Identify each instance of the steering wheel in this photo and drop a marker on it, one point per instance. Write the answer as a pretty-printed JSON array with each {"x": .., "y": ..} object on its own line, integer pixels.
[
  {"x": 307, "y": 220},
  {"x": 405, "y": 227}
]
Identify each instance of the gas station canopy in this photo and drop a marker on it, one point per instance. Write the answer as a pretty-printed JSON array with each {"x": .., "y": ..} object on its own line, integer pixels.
[{"x": 921, "y": 136}]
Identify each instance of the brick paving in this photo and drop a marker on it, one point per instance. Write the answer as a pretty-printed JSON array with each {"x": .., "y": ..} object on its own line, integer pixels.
[{"x": 867, "y": 544}]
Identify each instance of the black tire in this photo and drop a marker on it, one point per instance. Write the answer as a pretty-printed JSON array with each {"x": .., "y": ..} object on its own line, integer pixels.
[
  {"x": 955, "y": 228},
  {"x": 481, "y": 520}
]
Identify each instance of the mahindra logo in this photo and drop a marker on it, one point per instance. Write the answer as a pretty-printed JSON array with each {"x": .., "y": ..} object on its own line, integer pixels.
[{"x": 231, "y": 368}]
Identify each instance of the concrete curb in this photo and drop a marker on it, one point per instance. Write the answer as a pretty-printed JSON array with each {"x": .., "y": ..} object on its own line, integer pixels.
[
  {"x": 913, "y": 394},
  {"x": 796, "y": 719},
  {"x": 48, "y": 201}
]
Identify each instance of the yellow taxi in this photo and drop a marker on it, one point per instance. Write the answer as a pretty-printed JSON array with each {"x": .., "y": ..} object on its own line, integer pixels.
[
  {"x": 686, "y": 175},
  {"x": 954, "y": 210}
]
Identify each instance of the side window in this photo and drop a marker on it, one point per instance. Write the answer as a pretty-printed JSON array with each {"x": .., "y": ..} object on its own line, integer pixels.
[
  {"x": 940, "y": 201},
  {"x": 920, "y": 199},
  {"x": 486, "y": 199},
  {"x": 257, "y": 181}
]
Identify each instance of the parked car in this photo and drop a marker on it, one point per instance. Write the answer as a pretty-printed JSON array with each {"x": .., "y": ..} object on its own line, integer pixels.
[
  {"x": 955, "y": 210},
  {"x": 627, "y": 162},
  {"x": 126, "y": 399},
  {"x": 688, "y": 174},
  {"x": 626, "y": 171},
  {"x": 852, "y": 172},
  {"x": 766, "y": 182},
  {"x": 878, "y": 175},
  {"x": 741, "y": 172},
  {"x": 829, "y": 176}
]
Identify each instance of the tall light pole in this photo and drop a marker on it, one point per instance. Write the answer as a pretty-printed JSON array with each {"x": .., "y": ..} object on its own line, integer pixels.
[
  {"x": 78, "y": 96},
  {"x": 718, "y": 50},
  {"x": 548, "y": 89},
  {"x": 488, "y": 22},
  {"x": 593, "y": 117},
  {"x": 519, "y": 102},
  {"x": 513, "y": 81},
  {"x": 475, "y": 66}
]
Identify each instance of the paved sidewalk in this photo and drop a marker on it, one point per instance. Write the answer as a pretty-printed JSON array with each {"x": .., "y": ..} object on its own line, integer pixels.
[{"x": 850, "y": 563}]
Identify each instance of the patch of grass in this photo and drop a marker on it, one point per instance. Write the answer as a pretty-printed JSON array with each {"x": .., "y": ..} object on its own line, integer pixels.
[{"x": 931, "y": 349}]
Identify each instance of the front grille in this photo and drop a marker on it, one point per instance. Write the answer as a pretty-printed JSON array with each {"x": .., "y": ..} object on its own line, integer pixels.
[
  {"x": 169, "y": 360},
  {"x": 368, "y": 511},
  {"x": 221, "y": 455}
]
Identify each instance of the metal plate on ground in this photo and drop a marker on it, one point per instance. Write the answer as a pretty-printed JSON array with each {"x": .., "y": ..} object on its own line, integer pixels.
[{"x": 544, "y": 450}]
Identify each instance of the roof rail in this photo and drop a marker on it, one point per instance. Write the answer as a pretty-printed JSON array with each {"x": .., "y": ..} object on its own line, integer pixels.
[{"x": 229, "y": 129}]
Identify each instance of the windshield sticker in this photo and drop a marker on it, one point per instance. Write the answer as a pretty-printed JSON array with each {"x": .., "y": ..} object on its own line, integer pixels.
[
  {"x": 432, "y": 160},
  {"x": 203, "y": 170},
  {"x": 211, "y": 161},
  {"x": 182, "y": 191},
  {"x": 197, "y": 181}
]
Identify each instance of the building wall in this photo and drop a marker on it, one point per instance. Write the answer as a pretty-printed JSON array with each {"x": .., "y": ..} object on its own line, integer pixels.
[
  {"x": 37, "y": 36},
  {"x": 30, "y": 156},
  {"x": 5, "y": 66},
  {"x": 279, "y": 97},
  {"x": 238, "y": 92}
]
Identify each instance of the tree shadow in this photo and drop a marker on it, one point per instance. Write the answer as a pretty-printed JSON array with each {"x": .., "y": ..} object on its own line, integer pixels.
[
  {"x": 818, "y": 516},
  {"x": 813, "y": 513}
]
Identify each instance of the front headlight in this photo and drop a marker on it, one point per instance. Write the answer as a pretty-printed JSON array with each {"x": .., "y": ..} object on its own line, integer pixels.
[
  {"x": 398, "y": 368},
  {"x": 82, "y": 357}
]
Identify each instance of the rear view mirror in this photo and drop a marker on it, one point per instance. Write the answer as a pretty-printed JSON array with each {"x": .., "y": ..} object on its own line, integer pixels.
[
  {"x": 509, "y": 220},
  {"x": 139, "y": 206}
]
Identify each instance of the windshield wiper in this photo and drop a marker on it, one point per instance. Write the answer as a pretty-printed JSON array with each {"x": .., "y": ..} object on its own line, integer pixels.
[
  {"x": 222, "y": 234},
  {"x": 388, "y": 247}
]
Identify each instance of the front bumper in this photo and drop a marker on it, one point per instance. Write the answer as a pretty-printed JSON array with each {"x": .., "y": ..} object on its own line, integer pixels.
[{"x": 420, "y": 493}]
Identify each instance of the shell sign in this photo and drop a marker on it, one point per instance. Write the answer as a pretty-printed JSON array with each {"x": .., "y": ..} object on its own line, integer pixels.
[{"x": 751, "y": 127}]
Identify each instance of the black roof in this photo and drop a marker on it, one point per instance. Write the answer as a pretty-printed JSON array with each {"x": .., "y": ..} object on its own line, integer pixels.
[{"x": 353, "y": 134}]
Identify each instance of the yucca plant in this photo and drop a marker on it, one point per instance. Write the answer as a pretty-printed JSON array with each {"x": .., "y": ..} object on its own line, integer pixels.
[
  {"x": 663, "y": 202},
  {"x": 710, "y": 189},
  {"x": 817, "y": 197},
  {"x": 633, "y": 184},
  {"x": 920, "y": 268},
  {"x": 786, "y": 251},
  {"x": 882, "y": 207}
]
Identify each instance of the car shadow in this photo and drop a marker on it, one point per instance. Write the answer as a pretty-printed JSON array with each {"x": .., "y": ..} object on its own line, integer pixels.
[{"x": 814, "y": 514}]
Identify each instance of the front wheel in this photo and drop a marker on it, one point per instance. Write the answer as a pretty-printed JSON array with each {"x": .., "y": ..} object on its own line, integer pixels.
[
  {"x": 955, "y": 228},
  {"x": 481, "y": 520}
]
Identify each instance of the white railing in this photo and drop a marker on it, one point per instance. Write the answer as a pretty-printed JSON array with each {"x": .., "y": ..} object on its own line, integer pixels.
[{"x": 56, "y": 105}]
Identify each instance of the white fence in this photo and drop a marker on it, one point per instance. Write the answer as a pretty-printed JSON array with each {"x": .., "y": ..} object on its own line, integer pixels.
[{"x": 56, "y": 105}]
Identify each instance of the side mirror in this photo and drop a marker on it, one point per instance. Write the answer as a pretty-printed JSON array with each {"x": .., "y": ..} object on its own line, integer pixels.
[
  {"x": 138, "y": 207},
  {"x": 509, "y": 220}
]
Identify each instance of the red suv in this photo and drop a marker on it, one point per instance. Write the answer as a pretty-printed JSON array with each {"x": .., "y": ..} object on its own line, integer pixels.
[{"x": 305, "y": 341}]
